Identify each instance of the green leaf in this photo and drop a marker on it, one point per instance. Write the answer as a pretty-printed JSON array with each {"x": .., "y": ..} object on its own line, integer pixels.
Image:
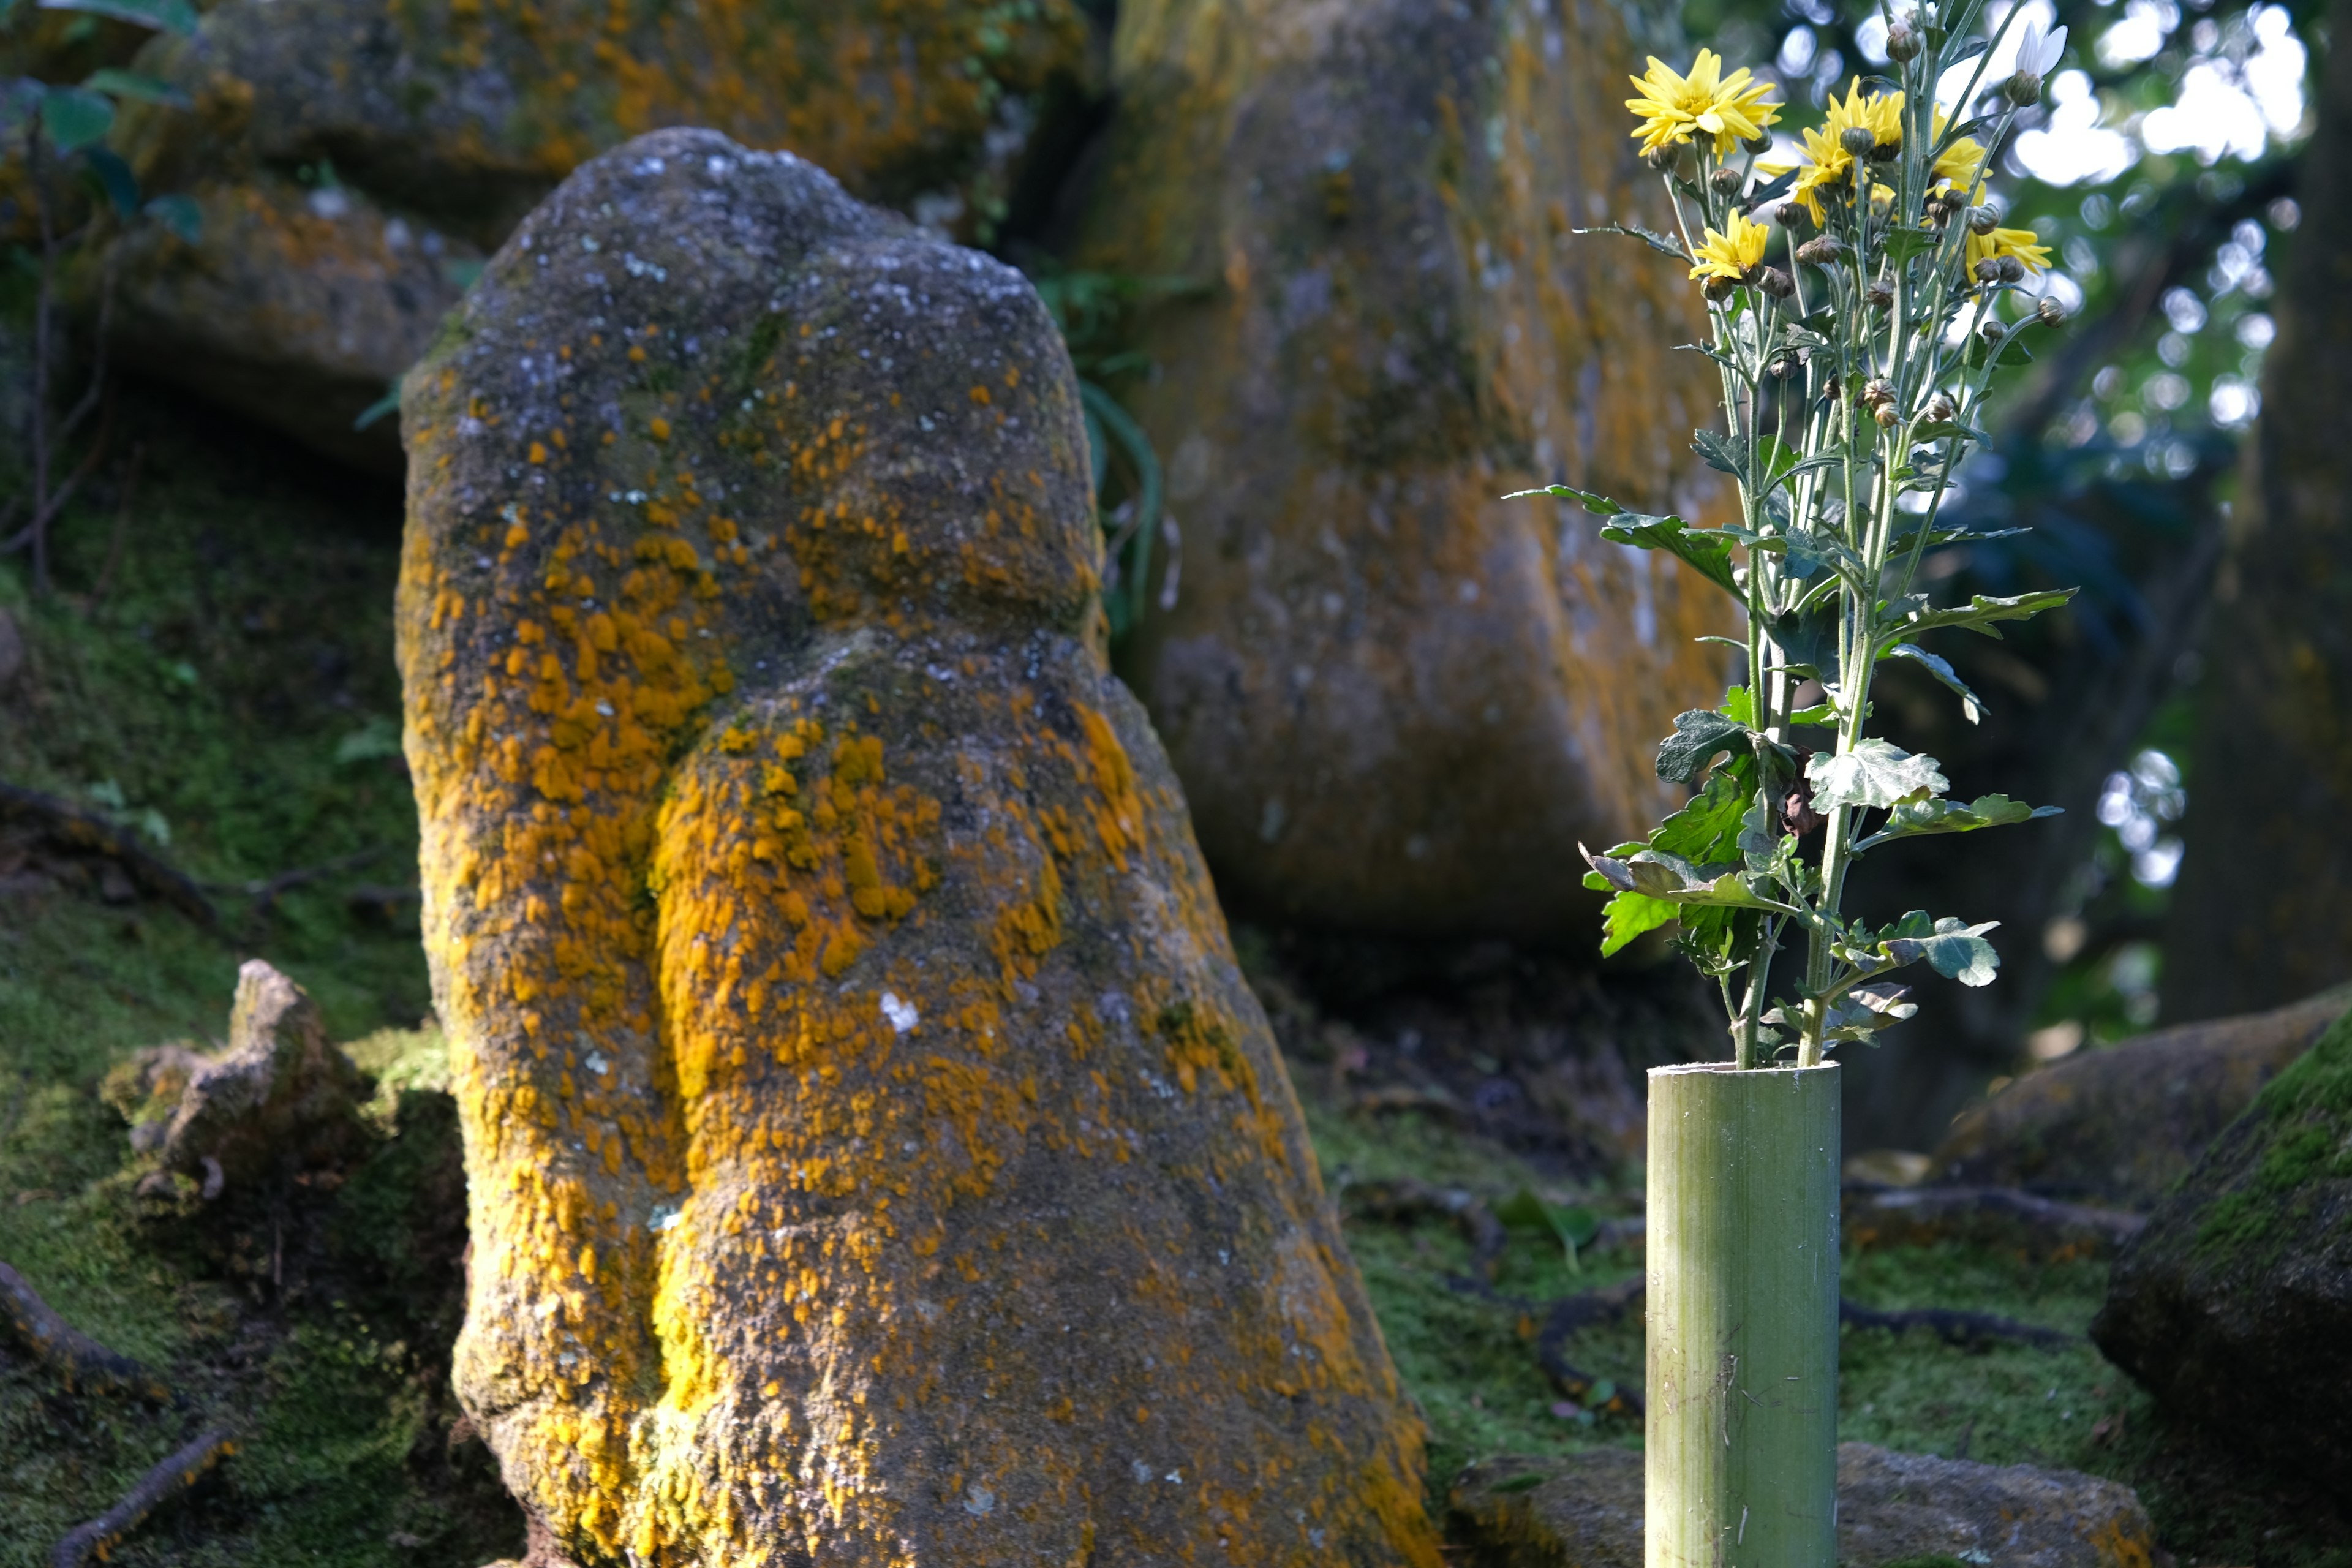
[
  {"x": 1724, "y": 454},
  {"x": 1980, "y": 612},
  {"x": 1876, "y": 773},
  {"x": 1705, "y": 549},
  {"x": 1700, "y": 736},
  {"x": 1923, "y": 814},
  {"x": 1972, "y": 709},
  {"x": 1628, "y": 916},
  {"x": 1572, "y": 1228},
  {"x": 1599, "y": 506},
  {"x": 113, "y": 178},
  {"x": 1858, "y": 1015},
  {"x": 168, "y": 16},
  {"x": 135, "y": 84},
  {"x": 179, "y": 214},
  {"x": 1651, "y": 237},
  {"x": 73, "y": 117},
  {"x": 1956, "y": 950},
  {"x": 1808, "y": 641}
]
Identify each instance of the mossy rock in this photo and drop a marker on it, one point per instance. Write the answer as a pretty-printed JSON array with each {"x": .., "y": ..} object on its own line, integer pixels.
[{"x": 2234, "y": 1306}]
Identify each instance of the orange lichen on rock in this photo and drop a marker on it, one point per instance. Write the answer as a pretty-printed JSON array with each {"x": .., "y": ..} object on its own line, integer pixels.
[
  {"x": 1397, "y": 700},
  {"x": 875, "y": 1155}
]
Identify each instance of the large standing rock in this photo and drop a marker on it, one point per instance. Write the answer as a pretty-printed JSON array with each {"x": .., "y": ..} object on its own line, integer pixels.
[
  {"x": 1585, "y": 1511},
  {"x": 2234, "y": 1306},
  {"x": 2121, "y": 1125},
  {"x": 1396, "y": 700},
  {"x": 427, "y": 130},
  {"x": 874, "y": 1153}
]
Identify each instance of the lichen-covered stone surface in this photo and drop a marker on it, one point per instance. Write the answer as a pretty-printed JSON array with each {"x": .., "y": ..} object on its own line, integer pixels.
[
  {"x": 875, "y": 1154},
  {"x": 1585, "y": 1511},
  {"x": 2234, "y": 1306},
  {"x": 423, "y": 133},
  {"x": 1396, "y": 700},
  {"x": 2121, "y": 1125}
]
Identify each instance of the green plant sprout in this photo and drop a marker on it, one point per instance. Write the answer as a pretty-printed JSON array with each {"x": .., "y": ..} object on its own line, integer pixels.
[{"x": 1855, "y": 376}]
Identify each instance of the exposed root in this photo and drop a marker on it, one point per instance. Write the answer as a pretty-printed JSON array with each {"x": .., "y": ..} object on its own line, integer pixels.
[
  {"x": 75, "y": 828},
  {"x": 1406, "y": 1200},
  {"x": 167, "y": 1480},
  {"x": 1956, "y": 1327},
  {"x": 1899, "y": 1216},
  {"x": 82, "y": 1362},
  {"x": 1572, "y": 1314}
]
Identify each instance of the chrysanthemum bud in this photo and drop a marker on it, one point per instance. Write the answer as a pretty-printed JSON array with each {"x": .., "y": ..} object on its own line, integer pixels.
[
  {"x": 1989, "y": 270},
  {"x": 1777, "y": 283},
  {"x": 1879, "y": 297},
  {"x": 1791, "y": 215},
  {"x": 1983, "y": 220},
  {"x": 1939, "y": 408},
  {"x": 1858, "y": 141},
  {"x": 1662, "y": 159},
  {"x": 1887, "y": 417},
  {"x": 2013, "y": 271},
  {"x": 2052, "y": 312},
  {"x": 1877, "y": 392},
  {"x": 1718, "y": 288},
  {"x": 1822, "y": 250},
  {"x": 1885, "y": 152},
  {"x": 1725, "y": 180},
  {"x": 1788, "y": 364},
  {"x": 2023, "y": 90},
  {"x": 1903, "y": 43},
  {"x": 1993, "y": 331},
  {"x": 1758, "y": 144}
]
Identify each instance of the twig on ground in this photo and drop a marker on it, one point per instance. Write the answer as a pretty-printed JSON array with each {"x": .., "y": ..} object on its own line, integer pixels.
[
  {"x": 265, "y": 892},
  {"x": 69, "y": 825},
  {"x": 1901, "y": 1216},
  {"x": 82, "y": 1362},
  {"x": 167, "y": 1480}
]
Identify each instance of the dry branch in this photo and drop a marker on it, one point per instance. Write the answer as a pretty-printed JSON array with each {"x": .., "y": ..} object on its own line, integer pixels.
[
  {"x": 81, "y": 1361},
  {"x": 167, "y": 1480},
  {"x": 74, "y": 827}
]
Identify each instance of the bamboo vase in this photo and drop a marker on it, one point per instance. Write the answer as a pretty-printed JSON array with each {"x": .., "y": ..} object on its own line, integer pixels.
[{"x": 1740, "y": 1470}]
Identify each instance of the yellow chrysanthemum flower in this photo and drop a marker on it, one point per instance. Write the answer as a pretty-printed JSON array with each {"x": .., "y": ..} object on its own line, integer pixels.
[
  {"x": 1962, "y": 164},
  {"x": 2021, "y": 243},
  {"x": 1826, "y": 163},
  {"x": 1735, "y": 254},
  {"x": 1673, "y": 107}
]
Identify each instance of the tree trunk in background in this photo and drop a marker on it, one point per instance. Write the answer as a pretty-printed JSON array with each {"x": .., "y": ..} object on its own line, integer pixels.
[{"x": 2260, "y": 915}]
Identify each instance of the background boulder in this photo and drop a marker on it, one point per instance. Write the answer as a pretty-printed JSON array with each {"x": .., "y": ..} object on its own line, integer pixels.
[
  {"x": 2234, "y": 1306},
  {"x": 873, "y": 1144},
  {"x": 356, "y": 158},
  {"x": 2122, "y": 1124},
  {"x": 1397, "y": 702}
]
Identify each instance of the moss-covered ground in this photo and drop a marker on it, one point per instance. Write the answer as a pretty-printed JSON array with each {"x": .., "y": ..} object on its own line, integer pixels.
[{"x": 231, "y": 690}]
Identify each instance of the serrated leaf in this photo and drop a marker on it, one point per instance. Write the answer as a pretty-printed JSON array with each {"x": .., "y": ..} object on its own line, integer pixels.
[
  {"x": 1925, "y": 815},
  {"x": 1956, "y": 950},
  {"x": 1599, "y": 506},
  {"x": 1630, "y": 915},
  {"x": 1983, "y": 610},
  {"x": 1808, "y": 642},
  {"x": 1724, "y": 454},
  {"x": 168, "y": 16},
  {"x": 1651, "y": 237},
  {"x": 1703, "y": 550},
  {"x": 1700, "y": 735},
  {"x": 138, "y": 85},
  {"x": 72, "y": 117},
  {"x": 1972, "y": 709},
  {"x": 1876, "y": 773}
]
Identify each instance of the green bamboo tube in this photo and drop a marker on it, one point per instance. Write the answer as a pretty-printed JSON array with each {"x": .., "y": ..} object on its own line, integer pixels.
[{"x": 1740, "y": 1470}]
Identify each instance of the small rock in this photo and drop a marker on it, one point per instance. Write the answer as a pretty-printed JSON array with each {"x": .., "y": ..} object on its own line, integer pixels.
[
  {"x": 1585, "y": 1511},
  {"x": 279, "y": 1096},
  {"x": 2119, "y": 1126},
  {"x": 2234, "y": 1306}
]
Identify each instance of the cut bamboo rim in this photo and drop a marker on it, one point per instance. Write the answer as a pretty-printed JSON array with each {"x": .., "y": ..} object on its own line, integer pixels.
[{"x": 1740, "y": 1469}]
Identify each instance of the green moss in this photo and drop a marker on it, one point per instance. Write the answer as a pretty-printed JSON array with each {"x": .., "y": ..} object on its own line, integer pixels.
[{"x": 2302, "y": 1123}]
